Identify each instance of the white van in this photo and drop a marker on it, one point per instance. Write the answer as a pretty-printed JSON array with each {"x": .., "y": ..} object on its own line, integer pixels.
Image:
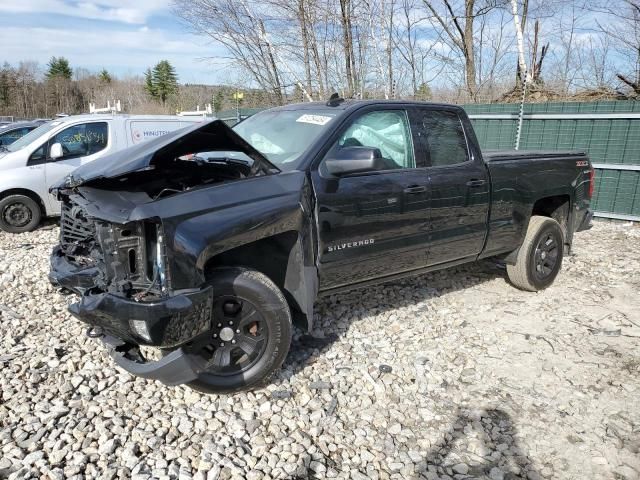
[{"x": 43, "y": 157}]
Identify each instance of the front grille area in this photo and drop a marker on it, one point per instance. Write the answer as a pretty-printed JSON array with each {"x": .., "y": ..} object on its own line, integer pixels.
[
  {"x": 75, "y": 228},
  {"x": 125, "y": 254}
]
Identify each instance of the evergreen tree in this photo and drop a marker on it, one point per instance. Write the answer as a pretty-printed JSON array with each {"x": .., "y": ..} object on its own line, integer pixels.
[
  {"x": 5, "y": 85},
  {"x": 149, "y": 87},
  {"x": 217, "y": 101},
  {"x": 104, "y": 76},
  {"x": 424, "y": 92},
  {"x": 164, "y": 81},
  {"x": 59, "y": 68}
]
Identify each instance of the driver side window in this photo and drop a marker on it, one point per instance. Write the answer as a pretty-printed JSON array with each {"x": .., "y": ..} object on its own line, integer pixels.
[
  {"x": 81, "y": 140},
  {"x": 386, "y": 130}
]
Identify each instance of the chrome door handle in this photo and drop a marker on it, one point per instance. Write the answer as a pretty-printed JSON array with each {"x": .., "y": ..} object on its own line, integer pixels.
[
  {"x": 476, "y": 183},
  {"x": 415, "y": 189}
]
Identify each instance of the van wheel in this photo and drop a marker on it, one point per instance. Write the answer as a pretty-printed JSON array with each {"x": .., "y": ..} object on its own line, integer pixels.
[
  {"x": 19, "y": 213},
  {"x": 250, "y": 335},
  {"x": 540, "y": 256}
]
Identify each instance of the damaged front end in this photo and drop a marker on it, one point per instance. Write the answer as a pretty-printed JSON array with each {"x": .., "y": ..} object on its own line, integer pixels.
[{"x": 115, "y": 255}]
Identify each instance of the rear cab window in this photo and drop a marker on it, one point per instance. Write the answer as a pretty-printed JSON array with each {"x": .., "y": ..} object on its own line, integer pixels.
[{"x": 441, "y": 137}]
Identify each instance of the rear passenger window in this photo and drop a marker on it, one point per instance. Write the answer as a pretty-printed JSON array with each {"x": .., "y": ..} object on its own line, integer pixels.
[{"x": 443, "y": 138}]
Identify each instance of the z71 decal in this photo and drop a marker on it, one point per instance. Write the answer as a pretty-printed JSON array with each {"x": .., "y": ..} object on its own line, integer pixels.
[{"x": 343, "y": 246}]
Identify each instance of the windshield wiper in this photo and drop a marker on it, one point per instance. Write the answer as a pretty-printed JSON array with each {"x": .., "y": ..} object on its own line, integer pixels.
[
  {"x": 3, "y": 148},
  {"x": 225, "y": 160}
]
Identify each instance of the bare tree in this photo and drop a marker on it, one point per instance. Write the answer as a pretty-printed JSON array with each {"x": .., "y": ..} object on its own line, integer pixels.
[
  {"x": 456, "y": 19},
  {"x": 243, "y": 34},
  {"x": 623, "y": 27}
]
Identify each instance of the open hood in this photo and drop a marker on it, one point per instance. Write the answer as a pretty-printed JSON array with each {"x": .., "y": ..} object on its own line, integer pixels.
[{"x": 210, "y": 136}]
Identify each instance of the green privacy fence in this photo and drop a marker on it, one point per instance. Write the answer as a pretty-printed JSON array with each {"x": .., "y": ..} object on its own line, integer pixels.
[{"x": 608, "y": 131}]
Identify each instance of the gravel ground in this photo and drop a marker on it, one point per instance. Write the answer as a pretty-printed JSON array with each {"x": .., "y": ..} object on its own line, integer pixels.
[{"x": 454, "y": 374}]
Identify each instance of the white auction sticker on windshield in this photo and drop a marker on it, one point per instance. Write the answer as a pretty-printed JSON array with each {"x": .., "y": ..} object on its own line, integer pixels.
[{"x": 315, "y": 119}]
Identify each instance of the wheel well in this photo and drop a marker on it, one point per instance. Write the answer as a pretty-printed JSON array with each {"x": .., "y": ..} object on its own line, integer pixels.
[
  {"x": 556, "y": 207},
  {"x": 269, "y": 256},
  {"x": 27, "y": 193}
]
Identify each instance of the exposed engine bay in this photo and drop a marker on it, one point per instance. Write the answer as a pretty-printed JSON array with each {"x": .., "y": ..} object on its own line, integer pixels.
[{"x": 179, "y": 175}]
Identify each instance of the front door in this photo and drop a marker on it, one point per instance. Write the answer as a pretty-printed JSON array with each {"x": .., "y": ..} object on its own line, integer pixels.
[
  {"x": 80, "y": 144},
  {"x": 458, "y": 185},
  {"x": 372, "y": 224}
]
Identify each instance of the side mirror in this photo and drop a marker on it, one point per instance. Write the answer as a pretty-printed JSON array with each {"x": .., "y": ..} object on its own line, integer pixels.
[
  {"x": 355, "y": 160},
  {"x": 56, "y": 151}
]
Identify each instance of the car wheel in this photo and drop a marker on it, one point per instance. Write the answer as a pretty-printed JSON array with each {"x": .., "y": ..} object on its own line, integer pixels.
[
  {"x": 19, "y": 213},
  {"x": 540, "y": 257},
  {"x": 250, "y": 335}
]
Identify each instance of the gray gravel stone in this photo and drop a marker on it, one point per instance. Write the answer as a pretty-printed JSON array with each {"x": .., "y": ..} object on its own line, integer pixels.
[{"x": 485, "y": 377}]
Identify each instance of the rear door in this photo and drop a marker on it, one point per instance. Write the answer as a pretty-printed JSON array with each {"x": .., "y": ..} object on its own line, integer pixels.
[
  {"x": 372, "y": 224},
  {"x": 458, "y": 184},
  {"x": 141, "y": 130}
]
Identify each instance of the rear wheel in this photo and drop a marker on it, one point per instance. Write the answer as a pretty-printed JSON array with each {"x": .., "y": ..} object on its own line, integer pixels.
[
  {"x": 19, "y": 213},
  {"x": 250, "y": 335},
  {"x": 540, "y": 256}
]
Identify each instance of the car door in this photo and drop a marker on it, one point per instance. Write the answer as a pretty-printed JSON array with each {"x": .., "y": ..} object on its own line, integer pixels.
[
  {"x": 80, "y": 144},
  {"x": 372, "y": 224},
  {"x": 458, "y": 186},
  {"x": 7, "y": 138}
]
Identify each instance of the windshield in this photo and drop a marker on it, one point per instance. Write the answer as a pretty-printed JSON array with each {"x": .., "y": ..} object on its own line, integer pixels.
[
  {"x": 32, "y": 136},
  {"x": 283, "y": 135}
]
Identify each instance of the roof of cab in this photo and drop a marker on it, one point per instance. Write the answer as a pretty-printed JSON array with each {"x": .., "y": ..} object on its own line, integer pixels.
[{"x": 348, "y": 105}]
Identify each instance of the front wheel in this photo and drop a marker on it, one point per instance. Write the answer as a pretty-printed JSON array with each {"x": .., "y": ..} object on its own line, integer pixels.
[
  {"x": 19, "y": 213},
  {"x": 250, "y": 335},
  {"x": 540, "y": 256}
]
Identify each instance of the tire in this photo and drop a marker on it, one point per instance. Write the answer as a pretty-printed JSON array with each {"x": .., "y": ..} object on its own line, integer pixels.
[
  {"x": 19, "y": 214},
  {"x": 271, "y": 321},
  {"x": 540, "y": 257}
]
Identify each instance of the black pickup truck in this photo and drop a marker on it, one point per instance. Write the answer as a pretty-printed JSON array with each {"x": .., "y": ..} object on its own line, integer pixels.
[{"x": 207, "y": 243}]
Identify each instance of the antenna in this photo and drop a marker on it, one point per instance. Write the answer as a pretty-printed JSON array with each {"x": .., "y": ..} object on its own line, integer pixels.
[{"x": 335, "y": 100}]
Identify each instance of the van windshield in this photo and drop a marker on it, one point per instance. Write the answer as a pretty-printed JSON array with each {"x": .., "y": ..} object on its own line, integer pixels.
[{"x": 32, "y": 136}]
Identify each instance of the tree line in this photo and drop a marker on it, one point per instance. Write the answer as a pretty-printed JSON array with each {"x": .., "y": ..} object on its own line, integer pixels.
[
  {"x": 296, "y": 50},
  {"x": 29, "y": 90}
]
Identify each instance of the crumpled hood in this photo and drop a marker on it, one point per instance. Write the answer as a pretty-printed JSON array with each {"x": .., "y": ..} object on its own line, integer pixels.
[{"x": 210, "y": 136}]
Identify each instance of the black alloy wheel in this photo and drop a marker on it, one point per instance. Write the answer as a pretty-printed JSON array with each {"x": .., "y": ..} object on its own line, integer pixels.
[
  {"x": 250, "y": 332},
  {"x": 540, "y": 256},
  {"x": 546, "y": 255},
  {"x": 238, "y": 337}
]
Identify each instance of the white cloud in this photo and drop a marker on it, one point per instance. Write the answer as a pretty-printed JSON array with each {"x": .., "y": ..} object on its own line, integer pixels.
[
  {"x": 124, "y": 11},
  {"x": 125, "y": 50}
]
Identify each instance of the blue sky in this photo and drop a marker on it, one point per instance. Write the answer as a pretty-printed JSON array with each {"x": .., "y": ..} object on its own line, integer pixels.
[{"x": 123, "y": 36}]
